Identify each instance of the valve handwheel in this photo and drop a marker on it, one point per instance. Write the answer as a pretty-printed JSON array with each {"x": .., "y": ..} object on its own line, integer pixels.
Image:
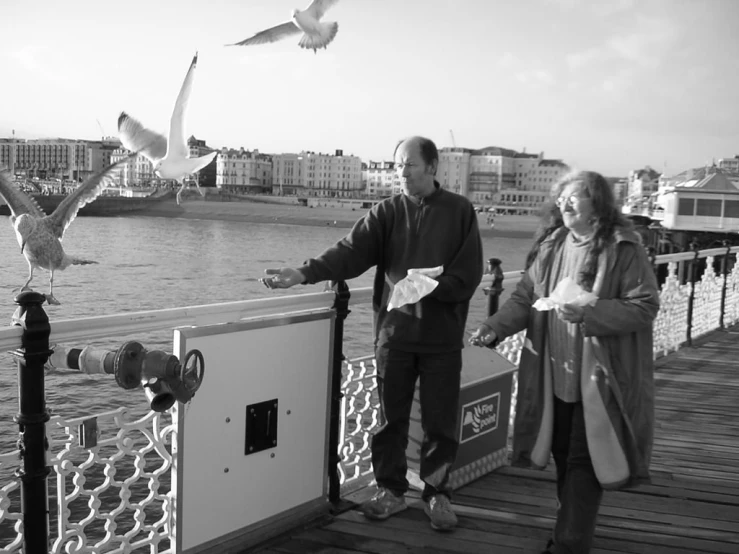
[{"x": 192, "y": 370}]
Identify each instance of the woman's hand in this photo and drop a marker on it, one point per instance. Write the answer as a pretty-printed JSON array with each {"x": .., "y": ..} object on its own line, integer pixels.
[
  {"x": 571, "y": 313},
  {"x": 483, "y": 336}
]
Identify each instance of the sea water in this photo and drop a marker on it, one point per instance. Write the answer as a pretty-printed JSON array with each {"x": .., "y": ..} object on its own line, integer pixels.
[{"x": 148, "y": 263}]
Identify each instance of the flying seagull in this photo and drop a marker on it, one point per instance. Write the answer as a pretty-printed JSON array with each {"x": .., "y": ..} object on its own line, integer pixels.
[
  {"x": 40, "y": 235},
  {"x": 170, "y": 157},
  {"x": 315, "y": 34}
]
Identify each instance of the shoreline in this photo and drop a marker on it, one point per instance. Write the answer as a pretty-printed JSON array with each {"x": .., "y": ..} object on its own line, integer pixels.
[{"x": 506, "y": 226}]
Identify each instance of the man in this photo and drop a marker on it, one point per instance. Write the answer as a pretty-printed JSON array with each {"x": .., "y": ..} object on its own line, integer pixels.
[{"x": 424, "y": 227}]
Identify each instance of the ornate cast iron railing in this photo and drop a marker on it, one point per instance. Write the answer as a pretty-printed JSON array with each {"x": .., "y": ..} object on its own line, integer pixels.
[{"x": 113, "y": 470}]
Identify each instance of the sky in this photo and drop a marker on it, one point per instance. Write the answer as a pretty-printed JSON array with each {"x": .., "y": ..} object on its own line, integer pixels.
[{"x": 605, "y": 85}]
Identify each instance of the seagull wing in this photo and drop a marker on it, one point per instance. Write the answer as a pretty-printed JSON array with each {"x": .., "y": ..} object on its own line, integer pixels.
[
  {"x": 88, "y": 191},
  {"x": 319, "y": 7},
  {"x": 137, "y": 138},
  {"x": 18, "y": 201},
  {"x": 177, "y": 141},
  {"x": 273, "y": 34}
]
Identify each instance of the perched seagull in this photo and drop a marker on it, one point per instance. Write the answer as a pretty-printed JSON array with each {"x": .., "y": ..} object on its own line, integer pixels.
[
  {"x": 315, "y": 34},
  {"x": 170, "y": 157},
  {"x": 40, "y": 235}
]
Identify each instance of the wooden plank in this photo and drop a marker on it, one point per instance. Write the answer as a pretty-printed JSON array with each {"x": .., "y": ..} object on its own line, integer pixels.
[
  {"x": 691, "y": 505},
  {"x": 412, "y": 527}
]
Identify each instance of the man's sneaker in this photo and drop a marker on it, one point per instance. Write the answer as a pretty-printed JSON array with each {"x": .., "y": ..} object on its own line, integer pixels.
[
  {"x": 383, "y": 505},
  {"x": 440, "y": 512}
]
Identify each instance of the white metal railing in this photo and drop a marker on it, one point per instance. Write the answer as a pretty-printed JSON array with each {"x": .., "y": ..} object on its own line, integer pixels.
[{"x": 130, "y": 509}]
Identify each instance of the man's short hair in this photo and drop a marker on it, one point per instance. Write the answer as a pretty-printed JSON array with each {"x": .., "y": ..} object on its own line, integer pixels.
[{"x": 429, "y": 152}]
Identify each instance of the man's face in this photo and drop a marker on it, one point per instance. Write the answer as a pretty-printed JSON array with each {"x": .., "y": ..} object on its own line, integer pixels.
[{"x": 415, "y": 175}]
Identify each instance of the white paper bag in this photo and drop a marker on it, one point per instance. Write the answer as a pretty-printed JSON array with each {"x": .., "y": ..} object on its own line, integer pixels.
[
  {"x": 567, "y": 291},
  {"x": 414, "y": 286}
]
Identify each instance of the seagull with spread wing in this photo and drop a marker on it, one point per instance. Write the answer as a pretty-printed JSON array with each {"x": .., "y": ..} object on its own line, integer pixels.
[
  {"x": 40, "y": 235},
  {"x": 316, "y": 34},
  {"x": 170, "y": 156}
]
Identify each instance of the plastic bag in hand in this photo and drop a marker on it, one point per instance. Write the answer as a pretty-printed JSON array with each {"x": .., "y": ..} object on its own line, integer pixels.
[
  {"x": 567, "y": 291},
  {"x": 414, "y": 286}
]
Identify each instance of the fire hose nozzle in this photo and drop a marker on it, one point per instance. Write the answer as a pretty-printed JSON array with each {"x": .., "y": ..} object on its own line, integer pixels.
[{"x": 164, "y": 378}]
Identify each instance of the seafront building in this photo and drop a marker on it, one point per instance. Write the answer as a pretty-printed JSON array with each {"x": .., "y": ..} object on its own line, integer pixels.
[
  {"x": 206, "y": 177},
  {"x": 380, "y": 179},
  {"x": 488, "y": 176},
  {"x": 454, "y": 169},
  {"x": 243, "y": 171},
  {"x": 642, "y": 183},
  {"x": 137, "y": 171},
  {"x": 729, "y": 164},
  {"x": 55, "y": 158},
  {"x": 312, "y": 174},
  {"x": 510, "y": 181}
]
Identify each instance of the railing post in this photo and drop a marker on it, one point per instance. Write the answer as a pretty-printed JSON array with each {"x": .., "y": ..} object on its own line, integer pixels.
[
  {"x": 691, "y": 299},
  {"x": 31, "y": 419},
  {"x": 341, "y": 305},
  {"x": 725, "y": 274},
  {"x": 496, "y": 286},
  {"x": 652, "y": 256}
]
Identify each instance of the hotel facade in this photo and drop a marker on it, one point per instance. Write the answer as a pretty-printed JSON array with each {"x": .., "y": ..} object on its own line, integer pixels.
[
  {"x": 312, "y": 174},
  {"x": 56, "y": 158}
]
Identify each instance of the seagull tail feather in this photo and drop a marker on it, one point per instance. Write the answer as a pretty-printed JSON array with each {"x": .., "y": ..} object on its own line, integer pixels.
[{"x": 326, "y": 34}]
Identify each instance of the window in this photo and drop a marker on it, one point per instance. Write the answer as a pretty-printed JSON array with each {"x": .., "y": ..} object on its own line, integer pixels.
[
  {"x": 686, "y": 206},
  {"x": 709, "y": 207},
  {"x": 731, "y": 208}
]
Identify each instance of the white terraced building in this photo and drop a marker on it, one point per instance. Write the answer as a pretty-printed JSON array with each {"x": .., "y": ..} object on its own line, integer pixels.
[{"x": 243, "y": 171}]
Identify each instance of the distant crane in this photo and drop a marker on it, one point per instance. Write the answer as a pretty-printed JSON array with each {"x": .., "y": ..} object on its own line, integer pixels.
[
  {"x": 454, "y": 142},
  {"x": 102, "y": 132}
]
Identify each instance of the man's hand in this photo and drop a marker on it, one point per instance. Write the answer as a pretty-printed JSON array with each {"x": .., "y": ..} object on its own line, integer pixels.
[
  {"x": 482, "y": 336},
  {"x": 282, "y": 278}
]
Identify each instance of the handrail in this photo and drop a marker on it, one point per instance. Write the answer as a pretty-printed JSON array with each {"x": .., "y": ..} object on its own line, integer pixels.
[
  {"x": 690, "y": 255},
  {"x": 87, "y": 328}
]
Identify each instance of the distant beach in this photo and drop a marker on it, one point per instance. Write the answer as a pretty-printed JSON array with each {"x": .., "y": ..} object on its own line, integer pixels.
[{"x": 507, "y": 226}]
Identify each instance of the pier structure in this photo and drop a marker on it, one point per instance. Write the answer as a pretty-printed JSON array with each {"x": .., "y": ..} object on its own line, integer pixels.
[{"x": 272, "y": 453}]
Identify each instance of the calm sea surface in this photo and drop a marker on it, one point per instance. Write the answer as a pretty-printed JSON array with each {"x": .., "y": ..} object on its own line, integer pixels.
[{"x": 147, "y": 263}]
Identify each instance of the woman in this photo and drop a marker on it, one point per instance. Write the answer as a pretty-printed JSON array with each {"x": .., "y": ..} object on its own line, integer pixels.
[{"x": 585, "y": 383}]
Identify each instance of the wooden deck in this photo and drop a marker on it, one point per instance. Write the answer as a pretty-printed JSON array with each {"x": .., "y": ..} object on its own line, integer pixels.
[{"x": 692, "y": 505}]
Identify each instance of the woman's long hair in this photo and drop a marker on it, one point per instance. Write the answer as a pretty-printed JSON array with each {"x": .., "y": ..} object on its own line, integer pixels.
[{"x": 606, "y": 218}]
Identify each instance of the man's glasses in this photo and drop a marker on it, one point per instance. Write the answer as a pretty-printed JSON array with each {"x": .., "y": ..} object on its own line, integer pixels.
[{"x": 570, "y": 200}]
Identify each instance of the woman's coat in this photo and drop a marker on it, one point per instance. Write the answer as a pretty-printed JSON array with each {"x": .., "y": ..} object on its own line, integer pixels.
[{"x": 617, "y": 382}]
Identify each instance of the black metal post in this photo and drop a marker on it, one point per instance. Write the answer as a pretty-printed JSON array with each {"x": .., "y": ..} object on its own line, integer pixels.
[
  {"x": 691, "y": 274},
  {"x": 725, "y": 274},
  {"x": 496, "y": 286},
  {"x": 652, "y": 256},
  {"x": 31, "y": 419},
  {"x": 341, "y": 305}
]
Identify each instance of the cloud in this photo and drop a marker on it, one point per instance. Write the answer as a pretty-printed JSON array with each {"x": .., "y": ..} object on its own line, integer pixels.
[
  {"x": 508, "y": 60},
  {"x": 536, "y": 77},
  {"x": 577, "y": 60},
  {"x": 648, "y": 45},
  {"x": 565, "y": 4},
  {"x": 35, "y": 60},
  {"x": 599, "y": 8},
  {"x": 612, "y": 7},
  {"x": 27, "y": 58},
  {"x": 622, "y": 58}
]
